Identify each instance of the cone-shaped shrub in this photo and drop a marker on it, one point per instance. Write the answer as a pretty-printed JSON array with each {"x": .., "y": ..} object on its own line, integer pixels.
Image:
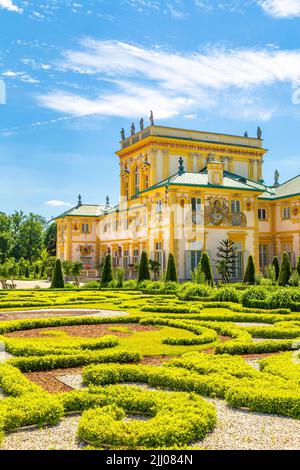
[
  {"x": 298, "y": 265},
  {"x": 57, "y": 277},
  {"x": 144, "y": 272},
  {"x": 275, "y": 263},
  {"x": 285, "y": 270},
  {"x": 249, "y": 276},
  {"x": 107, "y": 276},
  {"x": 206, "y": 268},
  {"x": 171, "y": 274}
]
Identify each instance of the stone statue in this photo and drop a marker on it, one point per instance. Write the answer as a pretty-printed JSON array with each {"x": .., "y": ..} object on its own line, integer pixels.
[
  {"x": 151, "y": 118},
  {"x": 181, "y": 166},
  {"x": 79, "y": 201},
  {"x": 246, "y": 134},
  {"x": 107, "y": 201},
  {"x": 123, "y": 134},
  {"x": 142, "y": 124},
  {"x": 132, "y": 129},
  {"x": 259, "y": 133},
  {"x": 276, "y": 179}
]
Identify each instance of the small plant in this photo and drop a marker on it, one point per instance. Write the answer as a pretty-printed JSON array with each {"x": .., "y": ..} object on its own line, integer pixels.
[
  {"x": 295, "y": 279},
  {"x": 226, "y": 255},
  {"x": 119, "y": 275},
  {"x": 271, "y": 273}
]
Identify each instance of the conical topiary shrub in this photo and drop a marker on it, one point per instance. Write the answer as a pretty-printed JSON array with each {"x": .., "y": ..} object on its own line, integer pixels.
[
  {"x": 298, "y": 265},
  {"x": 249, "y": 276},
  {"x": 57, "y": 277},
  {"x": 144, "y": 272},
  {"x": 276, "y": 265},
  {"x": 285, "y": 270},
  {"x": 171, "y": 274},
  {"x": 206, "y": 268},
  {"x": 107, "y": 276}
]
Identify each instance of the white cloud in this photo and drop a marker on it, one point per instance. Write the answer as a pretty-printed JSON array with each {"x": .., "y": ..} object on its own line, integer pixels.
[
  {"x": 10, "y": 6},
  {"x": 55, "y": 203},
  {"x": 281, "y": 8},
  {"x": 170, "y": 83}
]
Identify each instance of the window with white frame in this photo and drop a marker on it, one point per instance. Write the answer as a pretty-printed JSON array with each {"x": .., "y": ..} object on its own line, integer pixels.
[
  {"x": 85, "y": 228},
  {"x": 237, "y": 270},
  {"x": 262, "y": 214},
  {"x": 286, "y": 212},
  {"x": 196, "y": 211},
  {"x": 235, "y": 206},
  {"x": 263, "y": 257}
]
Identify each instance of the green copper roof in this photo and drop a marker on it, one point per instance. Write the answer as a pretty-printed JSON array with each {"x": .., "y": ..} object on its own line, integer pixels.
[
  {"x": 85, "y": 210},
  {"x": 200, "y": 179}
]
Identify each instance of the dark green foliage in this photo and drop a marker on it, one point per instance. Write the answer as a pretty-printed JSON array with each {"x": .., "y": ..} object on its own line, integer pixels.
[
  {"x": 50, "y": 239},
  {"x": 27, "y": 271},
  {"x": 249, "y": 276},
  {"x": 144, "y": 272},
  {"x": 171, "y": 274},
  {"x": 107, "y": 276},
  {"x": 207, "y": 269},
  {"x": 285, "y": 270},
  {"x": 57, "y": 278},
  {"x": 275, "y": 263},
  {"x": 298, "y": 265}
]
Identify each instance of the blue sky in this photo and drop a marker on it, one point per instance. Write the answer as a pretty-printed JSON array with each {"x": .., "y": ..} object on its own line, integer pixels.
[{"x": 75, "y": 72}]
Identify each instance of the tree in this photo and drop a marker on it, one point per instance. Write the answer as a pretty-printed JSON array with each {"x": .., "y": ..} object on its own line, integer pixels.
[
  {"x": 226, "y": 255},
  {"x": 27, "y": 271},
  {"x": 171, "y": 274},
  {"x": 144, "y": 272},
  {"x": 249, "y": 276},
  {"x": 106, "y": 277},
  {"x": 275, "y": 263},
  {"x": 50, "y": 239},
  {"x": 76, "y": 269},
  {"x": 285, "y": 270},
  {"x": 32, "y": 236},
  {"x": 57, "y": 278},
  {"x": 154, "y": 266},
  {"x": 206, "y": 268}
]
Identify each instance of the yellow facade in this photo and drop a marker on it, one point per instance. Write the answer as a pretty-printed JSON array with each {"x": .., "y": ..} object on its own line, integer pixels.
[{"x": 184, "y": 192}]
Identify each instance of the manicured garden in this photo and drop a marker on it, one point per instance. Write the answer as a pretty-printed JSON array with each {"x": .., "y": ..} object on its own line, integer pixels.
[{"x": 154, "y": 372}]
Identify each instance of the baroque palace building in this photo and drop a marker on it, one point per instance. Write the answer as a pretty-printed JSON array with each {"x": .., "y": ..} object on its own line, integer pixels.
[{"x": 184, "y": 191}]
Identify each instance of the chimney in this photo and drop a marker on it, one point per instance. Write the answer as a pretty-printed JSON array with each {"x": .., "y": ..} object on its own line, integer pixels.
[{"x": 215, "y": 172}]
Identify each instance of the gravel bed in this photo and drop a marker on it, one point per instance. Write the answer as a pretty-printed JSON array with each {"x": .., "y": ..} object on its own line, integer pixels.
[
  {"x": 251, "y": 324},
  {"x": 4, "y": 355},
  {"x": 253, "y": 362},
  {"x": 62, "y": 436},
  {"x": 245, "y": 430},
  {"x": 71, "y": 380},
  {"x": 22, "y": 314}
]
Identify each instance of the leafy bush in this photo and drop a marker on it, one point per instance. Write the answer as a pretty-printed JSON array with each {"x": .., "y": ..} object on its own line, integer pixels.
[
  {"x": 249, "y": 276},
  {"x": 285, "y": 270},
  {"x": 57, "y": 278},
  {"x": 171, "y": 274},
  {"x": 144, "y": 272},
  {"x": 253, "y": 293},
  {"x": 227, "y": 294},
  {"x": 188, "y": 291}
]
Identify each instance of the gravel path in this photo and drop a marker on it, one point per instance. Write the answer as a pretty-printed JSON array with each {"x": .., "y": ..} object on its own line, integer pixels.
[
  {"x": 66, "y": 312},
  {"x": 236, "y": 430},
  {"x": 251, "y": 324},
  {"x": 72, "y": 380},
  {"x": 244, "y": 430},
  {"x": 59, "y": 437}
]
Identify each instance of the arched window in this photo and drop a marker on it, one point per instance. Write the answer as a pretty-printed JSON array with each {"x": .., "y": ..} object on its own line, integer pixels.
[{"x": 136, "y": 180}]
